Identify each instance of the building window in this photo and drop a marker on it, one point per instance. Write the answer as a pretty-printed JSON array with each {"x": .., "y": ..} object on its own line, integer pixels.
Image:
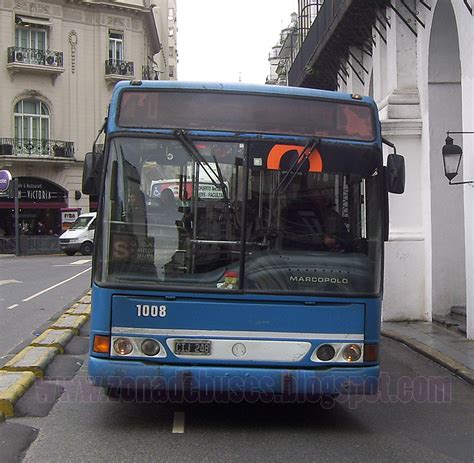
[
  {"x": 171, "y": 73},
  {"x": 31, "y": 120},
  {"x": 116, "y": 46},
  {"x": 28, "y": 37},
  {"x": 170, "y": 14}
]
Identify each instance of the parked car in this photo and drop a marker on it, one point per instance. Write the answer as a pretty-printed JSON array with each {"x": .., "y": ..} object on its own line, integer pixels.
[{"x": 79, "y": 236}]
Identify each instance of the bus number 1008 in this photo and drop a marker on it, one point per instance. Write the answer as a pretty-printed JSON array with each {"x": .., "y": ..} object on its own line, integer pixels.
[{"x": 145, "y": 310}]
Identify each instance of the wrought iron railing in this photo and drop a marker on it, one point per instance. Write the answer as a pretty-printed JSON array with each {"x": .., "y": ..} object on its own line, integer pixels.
[
  {"x": 319, "y": 27},
  {"x": 36, "y": 147},
  {"x": 148, "y": 73},
  {"x": 30, "y": 245},
  {"x": 53, "y": 59},
  {"x": 119, "y": 67}
]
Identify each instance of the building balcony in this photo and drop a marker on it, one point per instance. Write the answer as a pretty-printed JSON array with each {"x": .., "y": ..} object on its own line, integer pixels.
[
  {"x": 148, "y": 73},
  {"x": 337, "y": 25},
  {"x": 116, "y": 70},
  {"x": 32, "y": 60},
  {"x": 35, "y": 148}
]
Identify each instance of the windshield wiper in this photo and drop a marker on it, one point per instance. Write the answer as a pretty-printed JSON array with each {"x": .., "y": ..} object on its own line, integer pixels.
[
  {"x": 298, "y": 163},
  {"x": 190, "y": 147}
]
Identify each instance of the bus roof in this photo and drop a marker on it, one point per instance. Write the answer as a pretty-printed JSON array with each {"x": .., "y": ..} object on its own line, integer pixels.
[{"x": 243, "y": 88}]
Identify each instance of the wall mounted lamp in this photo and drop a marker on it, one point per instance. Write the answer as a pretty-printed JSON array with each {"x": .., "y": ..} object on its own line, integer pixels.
[{"x": 452, "y": 155}]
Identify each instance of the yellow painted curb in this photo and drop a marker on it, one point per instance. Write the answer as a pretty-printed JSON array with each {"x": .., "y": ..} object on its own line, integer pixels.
[
  {"x": 12, "y": 386},
  {"x": 53, "y": 338},
  {"x": 86, "y": 299},
  {"x": 33, "y": 359},
  {"x": 80, "y": 309},
  {"x": 72, "y": 322}
]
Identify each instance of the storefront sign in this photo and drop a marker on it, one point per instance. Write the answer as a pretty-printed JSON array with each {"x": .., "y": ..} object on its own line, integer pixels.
[
  {"x": 68, "y": 217},
  {"x": 31, "y": 189},
  {"x": 5, "y": 178},
  {"x": 36, "y": 193}
]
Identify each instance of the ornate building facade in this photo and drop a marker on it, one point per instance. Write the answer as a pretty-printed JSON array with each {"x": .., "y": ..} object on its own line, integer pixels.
[{"x": 59, "y": 63}]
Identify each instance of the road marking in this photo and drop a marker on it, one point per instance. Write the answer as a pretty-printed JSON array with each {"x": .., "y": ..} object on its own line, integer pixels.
[
  {"x": 178, "y": 423},
  {"x": 12, "y": 306},
  {"x": 55, "y": 286},
  {"x": 81, "y": 262},
  {"x": 7, "y": 282},
  {"x": 77, "y": 262}
]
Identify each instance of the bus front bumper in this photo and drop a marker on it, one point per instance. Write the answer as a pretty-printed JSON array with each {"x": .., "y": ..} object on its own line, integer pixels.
[{"x": 137, "y": 375}]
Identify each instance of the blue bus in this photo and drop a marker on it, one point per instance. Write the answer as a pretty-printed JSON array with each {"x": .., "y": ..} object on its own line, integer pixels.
[{"x": 239, "y": 240}]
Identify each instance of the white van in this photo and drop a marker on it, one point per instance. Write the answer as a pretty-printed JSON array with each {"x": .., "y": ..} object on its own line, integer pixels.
[{"x": 79, "y": 236}]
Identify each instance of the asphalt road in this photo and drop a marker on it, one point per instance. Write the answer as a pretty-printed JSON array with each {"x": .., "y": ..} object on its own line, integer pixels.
[
  {"x": 35, "y": 288},
  {"x": 423, "y": 413}
]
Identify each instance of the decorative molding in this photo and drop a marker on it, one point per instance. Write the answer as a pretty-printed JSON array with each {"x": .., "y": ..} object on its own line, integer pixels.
[
  {"x": 119, "y": 22},
  {"x": 137, "y": 25},
  {"x": 410, "y": 97},
  {"x": 73, "y": 42},
  {"x": 406, "y": 236},
  {"x": 73, "y": 15},
  {"x": 30, "y": 93},
  {"x": 402, "y": 127},
  {"x": 400, "y": 104},
  {"x": 115, "y": 22},
  {"x": 32, "y": 7}
]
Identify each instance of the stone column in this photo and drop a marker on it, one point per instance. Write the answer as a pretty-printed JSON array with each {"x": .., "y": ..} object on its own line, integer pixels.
[{"x": 395, "y": 82}]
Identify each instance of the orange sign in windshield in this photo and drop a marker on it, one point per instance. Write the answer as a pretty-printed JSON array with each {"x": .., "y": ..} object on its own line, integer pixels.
[{"x": 278, "y": 153}]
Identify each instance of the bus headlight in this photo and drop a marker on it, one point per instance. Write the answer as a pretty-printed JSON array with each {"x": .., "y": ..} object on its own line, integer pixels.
[
  {"x": 123, "y": 346},
  {"x": 351, "y": 353},
  {"x": 150, "y": 347},
  {"x": 325, "y": 352}
]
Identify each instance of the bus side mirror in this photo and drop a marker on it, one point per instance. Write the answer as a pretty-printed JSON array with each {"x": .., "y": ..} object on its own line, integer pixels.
[
  {"x": 395, "y": 173},
  {"x": 91, "y": 173}
]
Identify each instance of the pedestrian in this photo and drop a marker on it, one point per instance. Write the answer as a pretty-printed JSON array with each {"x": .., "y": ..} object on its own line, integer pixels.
[{"x": 41, "y": 229}]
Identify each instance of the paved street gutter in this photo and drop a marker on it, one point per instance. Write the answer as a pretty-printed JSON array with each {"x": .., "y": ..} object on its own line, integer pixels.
[
  {"x": 442, "y": 359},
  {"x": 20, "y": 373}
]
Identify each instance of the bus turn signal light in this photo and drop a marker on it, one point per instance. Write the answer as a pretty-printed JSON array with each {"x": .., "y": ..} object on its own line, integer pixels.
[
  {"x": 371, "y": 352},
  {"x": 101, "y": 344}
]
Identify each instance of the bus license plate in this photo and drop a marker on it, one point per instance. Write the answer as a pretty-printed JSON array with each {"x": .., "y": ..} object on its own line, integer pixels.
[{"x": 182, "y": 347}]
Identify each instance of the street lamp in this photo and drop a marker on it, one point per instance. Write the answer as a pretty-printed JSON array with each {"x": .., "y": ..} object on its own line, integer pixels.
[{"x": 452, "y": 155}]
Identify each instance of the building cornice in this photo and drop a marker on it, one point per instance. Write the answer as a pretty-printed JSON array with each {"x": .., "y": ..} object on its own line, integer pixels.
[
  {"x": 114, "y": 4},
  {"x": 402, "y": 127}
]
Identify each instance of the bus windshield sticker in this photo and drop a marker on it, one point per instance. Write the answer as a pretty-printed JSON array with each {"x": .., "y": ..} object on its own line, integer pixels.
[{"x": 281, "y": 157}]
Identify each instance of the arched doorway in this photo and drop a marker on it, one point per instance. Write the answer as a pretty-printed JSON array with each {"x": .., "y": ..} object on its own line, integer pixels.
[{"x": 448, "y": 281}]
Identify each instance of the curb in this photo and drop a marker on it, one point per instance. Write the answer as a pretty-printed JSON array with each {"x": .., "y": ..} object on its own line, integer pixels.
[
  {"x": 12, "y": 386},
  {"x": 33, "y": 359},
  {"x": 442, "y": 359},
  {"x": 70, "y": 322},
  {"x": 53, "y": 338},
  {"x": 20, "y": 373}
]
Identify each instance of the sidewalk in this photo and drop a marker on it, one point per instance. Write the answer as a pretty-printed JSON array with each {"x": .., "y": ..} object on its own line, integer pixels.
[{"x": 448, "y": 348}]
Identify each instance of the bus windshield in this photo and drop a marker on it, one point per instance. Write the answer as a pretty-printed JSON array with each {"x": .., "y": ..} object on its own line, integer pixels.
[{"x": 217, "y": 215}]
